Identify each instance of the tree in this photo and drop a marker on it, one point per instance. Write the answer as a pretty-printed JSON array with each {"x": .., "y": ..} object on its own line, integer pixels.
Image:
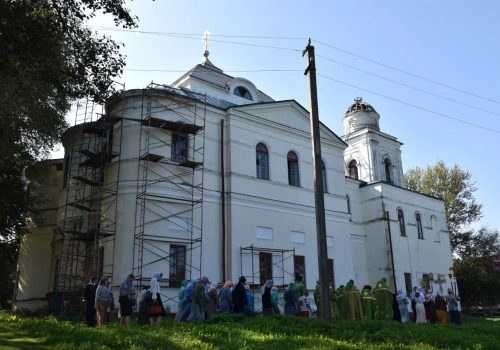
[
  {"x": 478, "y": 269},
  {"x": 49, "y": 58},
  {"x": 455, "y": 187}
]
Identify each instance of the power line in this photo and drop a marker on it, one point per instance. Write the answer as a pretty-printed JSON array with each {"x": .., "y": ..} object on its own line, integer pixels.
[
  {"x": 229, "y": 71},
  {"x": 408, "y": 73},
  {"x": 409, "y": 104},
  {"x": 211, "y": 40},
  {"x": 197, "y": 35},
  {"x": 408, "y": 86}
]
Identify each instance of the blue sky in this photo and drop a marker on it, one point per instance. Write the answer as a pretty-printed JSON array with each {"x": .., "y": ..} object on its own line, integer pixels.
[{"x": 454, "y": 43}]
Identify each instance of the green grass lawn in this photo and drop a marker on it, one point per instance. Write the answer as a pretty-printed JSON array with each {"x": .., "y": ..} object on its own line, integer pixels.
[{"x": 235, "y": 332}]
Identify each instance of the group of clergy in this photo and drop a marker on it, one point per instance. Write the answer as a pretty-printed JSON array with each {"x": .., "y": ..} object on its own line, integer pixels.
[{"x": 348, "y": 303}]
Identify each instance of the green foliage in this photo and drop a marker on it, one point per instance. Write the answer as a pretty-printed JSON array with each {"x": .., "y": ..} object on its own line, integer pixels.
[
  {"x": 454, "y": 186},
  {"x": 48, "y": 59},
  {"x": 278, "y": 332},
  {"x": 478, "y": 270}
]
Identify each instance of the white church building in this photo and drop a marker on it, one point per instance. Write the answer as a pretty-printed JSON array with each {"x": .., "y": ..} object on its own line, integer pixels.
[{"x": 212, "y": 177}]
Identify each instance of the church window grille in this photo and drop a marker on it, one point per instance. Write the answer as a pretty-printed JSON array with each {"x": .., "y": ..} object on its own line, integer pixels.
[
  {"x": 353, "y": 170},
  {"x": 299, "y": 266},
  {"x": 408, "y": 283},
  {"x": 331, "y": 272},
  {"x": 401, "y": 220},
  {"x": 262, "y": 158},
  {"x": 179, "y": 147},
  {"x": 387, "y": 163},
  {"x": 177, "y": 270},
  {"x": 293, "y": 169},
  {"x": 419, "y": 227},
  {"x": 265, "y": 267},
  {"x": 242, "y": 92},
  {"x": 323, "y": 176}
]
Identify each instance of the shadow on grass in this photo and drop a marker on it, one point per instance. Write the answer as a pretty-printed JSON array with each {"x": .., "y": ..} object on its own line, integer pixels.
[{"x": 12, "y": 339}]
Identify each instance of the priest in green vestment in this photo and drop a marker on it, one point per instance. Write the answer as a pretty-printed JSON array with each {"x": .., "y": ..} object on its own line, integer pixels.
[
  {"x": 384, "y": 300},
  {"x": 369, "y": 302},
  {"x": 317, "y": 299},
  {"x": 333, "y": 303},
  {"x": 352, "y": 309},
  {"x": 340, "y": 298},
  {"x": 300, "y": 289}
]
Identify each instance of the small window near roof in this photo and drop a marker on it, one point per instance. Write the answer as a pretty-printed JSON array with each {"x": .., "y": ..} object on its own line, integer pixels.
[{"x": 242, "y": 92}]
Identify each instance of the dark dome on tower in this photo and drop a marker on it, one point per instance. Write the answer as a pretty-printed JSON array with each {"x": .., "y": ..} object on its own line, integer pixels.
[{"x": 359, "y": 105}]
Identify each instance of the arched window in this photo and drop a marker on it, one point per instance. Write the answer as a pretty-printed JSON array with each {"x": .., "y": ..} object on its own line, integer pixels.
[
  {"x": 323, "y": 176},
  {"x": 387, "y": 163},
  {"x": 262, "y": 158},
  {"x": 242, "y": 92},
  {"x": 419, "y": 226},
  {"x": 293, "y": 169},
  {"x": 401, "y": 220},
  {"x": 353, "y": 169}
]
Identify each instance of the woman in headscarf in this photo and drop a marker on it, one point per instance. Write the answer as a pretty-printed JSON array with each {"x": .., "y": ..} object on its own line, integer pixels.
[
  {"x": 239, "y": 295},
  {"x": 250, "y": 311},
  {"x": 180, "y": 295},
  {"x": 102, "y": 298},
  {"x": 197, "y": 312},
  {"x": 188, "y": 299},
  {"x": 226, "y": 303},
  {"x": 430, "y": 307},
  {"x": 317, "y": 299},
  {"x": 275, "y": 300},
  {"x": 369, "y": 303},
  {"x": 145, "y": 302},
  {"x": 403, "y": 306},
  {"x": 155, "y": 295},
  {"x": 267, "y": 303},
  {"x": 290, "y": 305},
  {"x": 127, "y": 300},
  {"x": 352, "y": 309},
  {"x": 440, "y": 308},
  {"x": 419, "y": 306},
  {"x": 213, "y": 300}
]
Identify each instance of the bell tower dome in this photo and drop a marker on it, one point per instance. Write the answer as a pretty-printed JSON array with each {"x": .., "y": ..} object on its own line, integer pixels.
[{"x": 360, "y": 115}]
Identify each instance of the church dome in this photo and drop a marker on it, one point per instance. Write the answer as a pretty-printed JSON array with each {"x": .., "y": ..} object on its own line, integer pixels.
[
  {"x": 359, "y": 105},
  {"x": 360, "y": 115}
]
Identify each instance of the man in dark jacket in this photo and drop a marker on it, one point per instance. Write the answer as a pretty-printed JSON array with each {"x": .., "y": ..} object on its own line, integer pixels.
[
  {"x": 240, "y": 300},
  {"x": 89, "y": 298}
]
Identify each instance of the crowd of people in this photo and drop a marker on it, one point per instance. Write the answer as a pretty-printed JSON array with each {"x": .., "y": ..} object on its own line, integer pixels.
[
  {"x": 347, "y": 302},
  {"x": 198, "y": 299}
]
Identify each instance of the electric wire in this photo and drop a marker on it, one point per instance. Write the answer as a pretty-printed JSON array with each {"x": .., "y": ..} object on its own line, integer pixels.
[
  {"x": 408, "y": 86},
  {"x": 409, "y": 104},
  {"x": 408, "y": 73},
  {"x": 229, "y": 71}
]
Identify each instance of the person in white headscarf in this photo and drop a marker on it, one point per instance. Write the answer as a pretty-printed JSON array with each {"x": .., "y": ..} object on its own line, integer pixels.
[
  {"x": 403, "y": 302},
  {"x": 419, "y": 305},
  {"x": 213, "y": 300},
  {"x": 267, "y": 303},
  {"x": 154, "y": 288}
]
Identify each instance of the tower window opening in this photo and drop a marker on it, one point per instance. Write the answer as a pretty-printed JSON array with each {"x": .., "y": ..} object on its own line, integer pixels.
[
  {"x": 242, "y": 92},
  {"x": 387, "y": 163},
  {"x": 353, "y": 170}
]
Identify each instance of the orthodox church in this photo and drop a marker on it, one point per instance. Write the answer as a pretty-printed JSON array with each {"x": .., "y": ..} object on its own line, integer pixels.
[{"x": 210, "y": 176}]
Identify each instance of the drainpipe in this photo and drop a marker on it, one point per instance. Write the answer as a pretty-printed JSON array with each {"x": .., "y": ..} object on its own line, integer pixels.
[
  {"x": 392, "y": 255},
  {"x": 223, "y": 201}
]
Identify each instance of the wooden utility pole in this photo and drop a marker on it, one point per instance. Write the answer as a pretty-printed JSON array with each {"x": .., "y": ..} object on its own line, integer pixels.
[{"x": 326, "y": 311}]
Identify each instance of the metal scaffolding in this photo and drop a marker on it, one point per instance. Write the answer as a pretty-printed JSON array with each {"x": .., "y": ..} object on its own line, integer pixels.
[
  {"x": 280, "y": 264},
  {"x": 169, "y": 204},
  {"x": 91, "y": 178}
]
